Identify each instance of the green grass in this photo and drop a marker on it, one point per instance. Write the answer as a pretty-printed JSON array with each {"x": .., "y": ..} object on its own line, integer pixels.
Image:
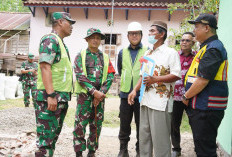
[
  {"x": 70, "y": 117},
  {"x": 11, "y": 103},
  {"x": 185, "y": 127},
  {"x": 111, "y": 96},
  {"x": 111, "y": 118}
]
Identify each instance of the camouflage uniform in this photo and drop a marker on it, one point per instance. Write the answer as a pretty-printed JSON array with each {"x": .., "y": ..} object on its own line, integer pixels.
[
  {"x": 85, "y": 111},
  {"x": 49, "y": 123},
  {"x": 29, "y": 82}
]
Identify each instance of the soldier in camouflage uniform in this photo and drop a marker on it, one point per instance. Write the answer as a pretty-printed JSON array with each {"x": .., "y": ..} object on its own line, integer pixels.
[
  {"x": 29, "y": 77},
  {"x": 54, "y": 84},
  {"x": 94, "y": 75}
]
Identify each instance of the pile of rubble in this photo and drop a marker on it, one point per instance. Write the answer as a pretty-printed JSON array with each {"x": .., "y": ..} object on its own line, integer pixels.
[{"x": 21, "y": 145}]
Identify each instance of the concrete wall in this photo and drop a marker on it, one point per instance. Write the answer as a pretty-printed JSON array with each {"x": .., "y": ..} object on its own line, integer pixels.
[
  {"x": 96, "y": 18},
  {"x": 224, "y": 34}
]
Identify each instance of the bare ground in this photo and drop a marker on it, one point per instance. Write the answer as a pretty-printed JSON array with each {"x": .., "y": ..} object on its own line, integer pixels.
[{"x": 17, "y": 135}]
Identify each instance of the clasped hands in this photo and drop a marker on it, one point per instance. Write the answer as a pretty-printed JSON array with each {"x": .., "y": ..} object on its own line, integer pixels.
[
  {"x": 98, "y": 97},
  {"x": 33, "y": 71}
]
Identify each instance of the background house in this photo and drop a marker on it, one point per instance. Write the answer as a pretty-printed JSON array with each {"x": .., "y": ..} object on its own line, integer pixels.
[
  {"x": 93, "y": 13},
  {"x": 14, "y": 32},
  {"x": 14, "y": 41}
]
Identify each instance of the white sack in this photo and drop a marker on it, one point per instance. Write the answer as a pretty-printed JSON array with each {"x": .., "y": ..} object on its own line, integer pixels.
[
  {"x": 2, "y": 87},
  {"x": 11, "y": 83},
  {"x": 20, "y": 90}
]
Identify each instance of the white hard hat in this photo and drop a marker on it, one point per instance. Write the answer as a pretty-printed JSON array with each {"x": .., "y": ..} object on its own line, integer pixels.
[{"x": 134, "y": 26}]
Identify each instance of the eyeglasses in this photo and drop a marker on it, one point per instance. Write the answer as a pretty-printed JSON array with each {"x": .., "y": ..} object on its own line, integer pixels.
[
  {"x": 187, "y": 40},
  {"x": 134, "y": 33}
]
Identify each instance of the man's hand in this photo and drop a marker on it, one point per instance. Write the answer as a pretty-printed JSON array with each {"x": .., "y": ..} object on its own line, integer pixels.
[
  {"x": 52, "y": 104},
  {"x": 31, "y": 70},
  {"x": 131, "y": 97},
  {"x": 149, "y": 80},
  {"x": 96, "y": 102},
  {"x": 99, "y": 95},
  {"x": 186, "y": 102}
]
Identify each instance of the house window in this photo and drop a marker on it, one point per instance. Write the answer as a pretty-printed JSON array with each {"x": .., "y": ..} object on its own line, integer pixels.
[
  {"x": 110, "y": 49},
  {"x": 113, "y": 41}
]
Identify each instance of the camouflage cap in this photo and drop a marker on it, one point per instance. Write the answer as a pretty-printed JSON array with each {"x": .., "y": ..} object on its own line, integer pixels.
[
  {"x": 31, "y": 55},
  {"x": 92, "y": 31},
  {"x": 62, "y": 15}
]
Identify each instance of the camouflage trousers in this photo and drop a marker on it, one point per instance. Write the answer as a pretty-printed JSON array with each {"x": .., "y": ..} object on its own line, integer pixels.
[
  {"x": 85, "y": 114},
  {"x": 26, "y": 91},
  {"x": 49, "y": 125}
]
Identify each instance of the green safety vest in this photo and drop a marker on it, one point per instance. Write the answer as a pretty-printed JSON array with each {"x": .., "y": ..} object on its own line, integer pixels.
[
  {"x": 130, "y": 72},
  {"x": 78, "y": 87},
  {"x": 62, "y": 74}
]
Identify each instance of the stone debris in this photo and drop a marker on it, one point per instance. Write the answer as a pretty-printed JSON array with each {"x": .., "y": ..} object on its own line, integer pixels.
[{"x": 22, "y": 145}]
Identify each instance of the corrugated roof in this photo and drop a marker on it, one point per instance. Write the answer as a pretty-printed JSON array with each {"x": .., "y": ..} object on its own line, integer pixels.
[
  {"x": 14, "y": 21},
  {"x": 103, "y": 3}
]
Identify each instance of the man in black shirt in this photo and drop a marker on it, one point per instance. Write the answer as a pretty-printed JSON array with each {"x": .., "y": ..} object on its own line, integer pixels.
[{"x": 206, "y": 86}]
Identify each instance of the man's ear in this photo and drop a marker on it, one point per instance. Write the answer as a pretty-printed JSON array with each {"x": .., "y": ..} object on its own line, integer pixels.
[
  {"x": 208, "y": 29},
  {"x": 59, "y": 22},
  {"x": 193, "y": 42},
  {"x": 162, "y": 34}
]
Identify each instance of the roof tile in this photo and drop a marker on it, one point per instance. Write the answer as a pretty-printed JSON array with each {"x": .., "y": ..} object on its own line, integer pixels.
[
  {"x": 103, "y": 3},
  {"x": 14, "y": 21}
]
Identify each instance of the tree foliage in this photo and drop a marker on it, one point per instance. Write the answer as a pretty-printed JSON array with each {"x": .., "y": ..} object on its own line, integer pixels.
[
  {"x": 12, "y": 6},
  {"x": 194, "y": 8}
]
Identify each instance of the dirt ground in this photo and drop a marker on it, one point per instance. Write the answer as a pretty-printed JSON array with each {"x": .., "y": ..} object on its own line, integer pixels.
[{"x": 17, "y": 135}]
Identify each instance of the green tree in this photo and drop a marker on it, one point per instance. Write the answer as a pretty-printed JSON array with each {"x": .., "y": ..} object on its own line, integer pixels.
[
  {"x": 194, "y": 8},
  {"x": 12, "y": 6}
]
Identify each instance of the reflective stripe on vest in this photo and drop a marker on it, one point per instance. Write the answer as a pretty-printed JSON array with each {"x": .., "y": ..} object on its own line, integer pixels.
[
  {"x": 130, "y": 72},
  {"x": 61, "y": 72},
  {"x": 193, "y": 69},
  {"x": 78, "y": 87},
  {"x": 214, "y": 95}
]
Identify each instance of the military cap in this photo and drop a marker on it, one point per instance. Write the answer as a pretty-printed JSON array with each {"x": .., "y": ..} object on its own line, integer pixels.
[
  {"x": 92, "y": 31},
  {"x": 31, "y": 55},
  {"x": 62, "y": 15}
]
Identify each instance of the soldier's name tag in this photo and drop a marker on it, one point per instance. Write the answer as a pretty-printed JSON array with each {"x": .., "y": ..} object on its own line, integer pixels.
[{"x": 191, "y": 79}]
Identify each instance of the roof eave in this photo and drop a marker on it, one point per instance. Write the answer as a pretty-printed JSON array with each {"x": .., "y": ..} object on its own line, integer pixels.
[{"x": 103, "y": 7}]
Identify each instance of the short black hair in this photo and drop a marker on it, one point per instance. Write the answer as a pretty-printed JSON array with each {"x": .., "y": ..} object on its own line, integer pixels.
[
  {"x": 54, "y": 23},
  {"x": 190, "y": 33},
  {"x": 160, "y": 30}
]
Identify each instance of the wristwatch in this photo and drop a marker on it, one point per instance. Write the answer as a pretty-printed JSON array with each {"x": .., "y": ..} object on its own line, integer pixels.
[
  {"x": 53, "y": 95},
  {"x": 184, "y": 97}
]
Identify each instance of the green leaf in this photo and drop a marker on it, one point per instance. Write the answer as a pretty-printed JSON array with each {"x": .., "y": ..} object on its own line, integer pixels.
[{"x": 13, "y": 6}]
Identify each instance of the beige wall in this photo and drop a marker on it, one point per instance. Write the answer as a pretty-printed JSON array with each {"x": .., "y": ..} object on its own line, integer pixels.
[{"x": 97, "y": 19}]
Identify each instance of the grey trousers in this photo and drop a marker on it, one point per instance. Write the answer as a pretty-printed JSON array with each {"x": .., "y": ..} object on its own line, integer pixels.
[{"x": 155, "y": 130}]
